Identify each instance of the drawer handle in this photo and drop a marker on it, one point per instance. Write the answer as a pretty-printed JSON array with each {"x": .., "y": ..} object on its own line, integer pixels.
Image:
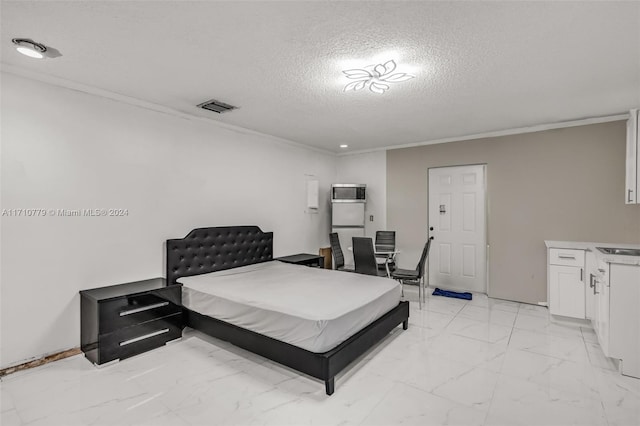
[
  {"x": 146, "y": 336},
  {"x": 144, "y": 308},
  {"x": 564, "y": 256}
]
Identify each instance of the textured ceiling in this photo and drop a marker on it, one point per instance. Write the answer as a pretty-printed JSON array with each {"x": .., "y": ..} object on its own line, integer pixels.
[{"x": 479, "y": 66}]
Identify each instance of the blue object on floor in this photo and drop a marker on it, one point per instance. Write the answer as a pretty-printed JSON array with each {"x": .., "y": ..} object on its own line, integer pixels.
[{"x": 454, "y": 294}]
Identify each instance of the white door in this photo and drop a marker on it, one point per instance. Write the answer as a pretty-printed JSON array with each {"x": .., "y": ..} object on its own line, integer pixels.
[{"x": 457, "y": 260}]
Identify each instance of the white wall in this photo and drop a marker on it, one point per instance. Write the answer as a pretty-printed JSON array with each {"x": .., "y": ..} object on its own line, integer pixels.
[
  {"x": 64, "y": 149},
  {"x": 369, "y": 168}
]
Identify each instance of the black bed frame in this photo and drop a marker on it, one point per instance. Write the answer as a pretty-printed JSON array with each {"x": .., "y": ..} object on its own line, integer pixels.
[{"x": 206, "y": 250}]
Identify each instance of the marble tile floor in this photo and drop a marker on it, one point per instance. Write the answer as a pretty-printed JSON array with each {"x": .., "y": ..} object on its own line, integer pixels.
[{"x": 479, "y": 362}]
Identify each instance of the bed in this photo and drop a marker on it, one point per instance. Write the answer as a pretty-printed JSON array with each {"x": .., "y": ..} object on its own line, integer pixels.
[{"x": 234, "y": 290}]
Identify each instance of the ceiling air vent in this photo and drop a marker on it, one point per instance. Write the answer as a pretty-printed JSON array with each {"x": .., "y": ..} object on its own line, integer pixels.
[{"x": 216, "y": 106}]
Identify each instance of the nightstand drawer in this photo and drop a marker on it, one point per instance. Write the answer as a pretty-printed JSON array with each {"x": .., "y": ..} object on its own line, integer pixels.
[
  {"x": 138, "y": 308},
  {"x": 139, "y": 338}
]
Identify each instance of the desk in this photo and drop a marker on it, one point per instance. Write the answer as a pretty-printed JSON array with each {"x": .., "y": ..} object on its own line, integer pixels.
[{"x": 389, "y": 254}]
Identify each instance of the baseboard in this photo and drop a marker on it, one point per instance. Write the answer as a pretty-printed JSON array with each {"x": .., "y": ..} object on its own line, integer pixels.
[
  {"x": 40, "y": 361},
  {"x": 576, "y": 322}
]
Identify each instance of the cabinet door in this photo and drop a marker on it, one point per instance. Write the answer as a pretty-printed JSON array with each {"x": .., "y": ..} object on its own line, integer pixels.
[
  {"x": 632, "y": 176},
  {"x": 624, "y": 318},
  {"x": 602, "y": 325},
  {"x": 567, "y": 291},
  {"x": 597, "y": 309},
  {"x": 591, "y": 264}
]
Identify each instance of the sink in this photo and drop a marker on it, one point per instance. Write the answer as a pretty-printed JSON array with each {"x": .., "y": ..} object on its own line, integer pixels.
[{"x": 620, "y": 251}]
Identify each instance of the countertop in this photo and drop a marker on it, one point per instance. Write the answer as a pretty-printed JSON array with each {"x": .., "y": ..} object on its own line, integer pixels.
[{"x": 609, "y": 258}]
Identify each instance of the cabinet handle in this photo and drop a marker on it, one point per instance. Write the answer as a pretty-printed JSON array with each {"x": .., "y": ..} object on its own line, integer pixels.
[
  {"x": 561, "y": 256},
  {"x": 146, "y": 336},
  {"x": 581, "y": 274},
  {"x": 591, "y": 277},
  {"x": 142, "y": 309},
  {"x": 595, "y": 286},
  {"x": 629, "y": 191}
]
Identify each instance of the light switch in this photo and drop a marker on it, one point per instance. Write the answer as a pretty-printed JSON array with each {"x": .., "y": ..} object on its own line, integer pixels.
[{"x": 370, "y": 218}]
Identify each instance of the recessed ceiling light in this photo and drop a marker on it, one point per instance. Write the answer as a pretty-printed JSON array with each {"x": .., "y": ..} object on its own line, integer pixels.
[
  {"x": 30, "y": 48},
  {"x": 375, "y": 77},
  {"x": 344, "y": 146}
]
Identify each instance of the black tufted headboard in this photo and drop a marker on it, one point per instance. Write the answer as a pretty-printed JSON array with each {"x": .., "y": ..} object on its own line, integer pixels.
[{"x": 206, "y": 250}]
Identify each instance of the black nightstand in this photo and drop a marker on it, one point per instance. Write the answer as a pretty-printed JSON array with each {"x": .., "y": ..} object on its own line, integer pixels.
[
  {"x": 304, "y": 259},
  {"x": 123, "y": 320}
]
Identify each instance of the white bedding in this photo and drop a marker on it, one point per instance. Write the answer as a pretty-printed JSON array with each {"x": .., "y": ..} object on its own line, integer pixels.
[{"x": 314, "y": 309}]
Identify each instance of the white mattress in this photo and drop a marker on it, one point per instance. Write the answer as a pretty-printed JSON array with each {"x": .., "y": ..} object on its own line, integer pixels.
[{"x": 314, "y": 309}]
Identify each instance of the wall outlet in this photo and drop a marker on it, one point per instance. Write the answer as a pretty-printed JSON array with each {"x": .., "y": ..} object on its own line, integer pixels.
[{"x": 371, "y": 218}]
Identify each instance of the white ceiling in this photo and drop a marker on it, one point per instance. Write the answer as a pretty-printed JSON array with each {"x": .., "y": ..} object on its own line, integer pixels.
[{"x": 479, "y": 66}]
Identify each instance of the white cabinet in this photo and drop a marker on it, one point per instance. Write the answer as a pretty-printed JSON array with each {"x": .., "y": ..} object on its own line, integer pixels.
[
  {"x": 616, "y": 317},
  {"x": 566, "y": 282},
  {"x": 624, "y": 317},
  {"x": 632, "y": 179},
  {"x": 599, "y": 282}
]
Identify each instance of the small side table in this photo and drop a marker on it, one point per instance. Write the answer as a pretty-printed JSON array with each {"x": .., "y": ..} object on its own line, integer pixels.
[
  {"x": 123, "y": 320},
  {"x": 306, "y": 259}
]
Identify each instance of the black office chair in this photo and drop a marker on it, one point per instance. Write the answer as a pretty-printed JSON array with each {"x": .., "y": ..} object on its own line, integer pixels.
[
  {"x": 385, "y": 240},
  {"x": 414, "y": 276},
  {"x": 336, "y": 252},
  {"x": 364, "y": 257}
]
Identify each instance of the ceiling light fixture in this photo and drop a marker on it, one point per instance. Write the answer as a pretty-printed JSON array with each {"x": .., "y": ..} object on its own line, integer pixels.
[
  {"x": 344, "y": 146},
  {"x": 375, "y": 77},
  {"x": 30, "y": 48}
]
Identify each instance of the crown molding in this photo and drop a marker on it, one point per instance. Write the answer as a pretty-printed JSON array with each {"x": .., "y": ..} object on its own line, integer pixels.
[
  {"x": 96, "y": 91},
  {"x": 498, "y": 133}
]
